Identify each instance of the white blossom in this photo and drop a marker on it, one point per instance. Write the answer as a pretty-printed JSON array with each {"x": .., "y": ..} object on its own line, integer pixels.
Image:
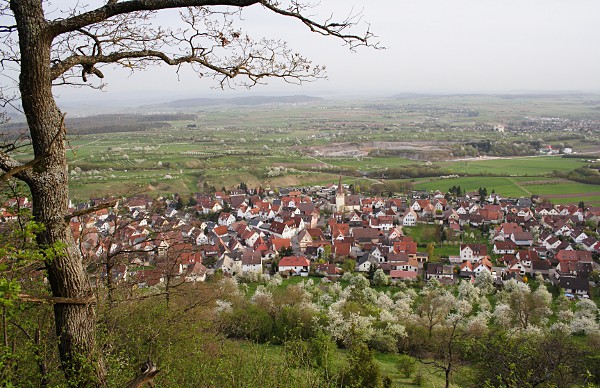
[
  {"x": 561, "y": 327},
  {"x": 384, "y": 301},
  {"x": 468, "y": 292},
  {"x": 584, "y": 325},
  {"x": 586, "y": 308},
  {"x": 503, "y": 315},
  {"x": 276, "y": 280},
  {"x": 223, "y": 306}
]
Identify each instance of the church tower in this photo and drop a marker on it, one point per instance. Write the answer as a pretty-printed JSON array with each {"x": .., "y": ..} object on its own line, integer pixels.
[{"x": 340, "y": 197}]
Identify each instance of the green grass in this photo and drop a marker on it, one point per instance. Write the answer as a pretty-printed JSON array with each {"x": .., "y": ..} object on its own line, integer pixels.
[
  {"x": 369, "y": 163},
  {"x": 505, "y": 187},
  {"x": 531, "y": 166},
  {"x": 447, "y": 250},
  {"x": 387, "y": 363},
  {"x": 516, "y": 187},
  {"x": 421, "y": 233},
  {"x": 431, "y": 377}
]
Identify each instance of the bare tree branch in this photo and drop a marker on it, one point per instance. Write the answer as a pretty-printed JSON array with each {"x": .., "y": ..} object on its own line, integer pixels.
[
  {"x": 14, "y": 168},
  {"x": 132, "y": 39},
  {"x": 243, "y": 67},
  {"x": 329, "y": 28},
  {"x": 90, "y": 210},
  {"x": 112, "y": 9},
  {"x": 22, "y": 171},
  {"x": 56, "y": 299},
  {"x": 148, "y": 372}
]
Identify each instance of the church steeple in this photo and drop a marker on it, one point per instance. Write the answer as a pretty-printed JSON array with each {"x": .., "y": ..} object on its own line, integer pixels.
[{"x": 340, "y": 196}]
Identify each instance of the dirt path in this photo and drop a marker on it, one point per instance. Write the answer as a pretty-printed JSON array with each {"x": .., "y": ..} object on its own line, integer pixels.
[{"x": 519, "y": 185}]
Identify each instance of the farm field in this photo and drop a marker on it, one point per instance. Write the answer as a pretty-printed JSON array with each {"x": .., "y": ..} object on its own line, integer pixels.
[
  {"x": 556, "y": 190},
  {"x": 518, "y": 166},
  {"x": 182, "y": 147}
]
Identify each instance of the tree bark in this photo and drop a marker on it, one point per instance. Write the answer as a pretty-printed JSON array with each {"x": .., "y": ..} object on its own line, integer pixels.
[{"x": 75, "y": 323}]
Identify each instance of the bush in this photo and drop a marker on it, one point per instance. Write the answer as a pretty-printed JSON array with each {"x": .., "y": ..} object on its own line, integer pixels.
[
  {"x": 362, "y": 370},
  {"x": 406, "y": 365},
  {"x": 419, "y": 379}
]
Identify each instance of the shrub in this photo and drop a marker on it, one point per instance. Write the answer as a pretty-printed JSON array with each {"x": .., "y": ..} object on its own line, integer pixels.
[{"x": 406, "y": 365}]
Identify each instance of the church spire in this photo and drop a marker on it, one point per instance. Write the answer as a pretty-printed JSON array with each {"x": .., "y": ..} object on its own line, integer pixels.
[{"x": 340, "y": 196}]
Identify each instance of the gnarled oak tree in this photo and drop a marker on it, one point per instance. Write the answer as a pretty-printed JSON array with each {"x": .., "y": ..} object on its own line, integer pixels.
[{"x": 67, "y": 45}]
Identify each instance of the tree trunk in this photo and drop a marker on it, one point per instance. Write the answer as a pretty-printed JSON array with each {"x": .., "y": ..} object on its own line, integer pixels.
[{"x": 75, "y": 323}]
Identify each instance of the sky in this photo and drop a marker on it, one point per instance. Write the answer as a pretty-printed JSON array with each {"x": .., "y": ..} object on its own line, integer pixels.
[{"x": 431, "y": 46}]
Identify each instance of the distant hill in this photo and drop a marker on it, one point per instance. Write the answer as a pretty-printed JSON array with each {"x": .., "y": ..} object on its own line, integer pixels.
[{"x": 235, "y": 101}]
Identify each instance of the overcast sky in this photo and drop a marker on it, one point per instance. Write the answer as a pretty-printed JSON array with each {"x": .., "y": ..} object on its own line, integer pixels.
[{"x": 432, "y": 46}]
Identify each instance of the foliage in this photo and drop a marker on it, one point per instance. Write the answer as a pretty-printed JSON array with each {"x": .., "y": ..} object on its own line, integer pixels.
[
  {"x": 362, "y": 370},
  {"x": 528, "y": 361},
  {"x": 349, "y": 265},
  {"x": 406, "y": 365},
  {"x": 380, "y": 278}
]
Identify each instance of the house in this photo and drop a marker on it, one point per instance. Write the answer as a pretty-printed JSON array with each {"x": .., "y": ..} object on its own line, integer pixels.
[
  {"x": 149, "y": 278},
  {"x": 330, "y": 271},
  {"x": 419, "y": 204},
  {"x": 298, "y": 265},
  {"x": 516, "y": 266},
  {"x": 220, "y": 231},
  {"x": 408, "y": 247},
  {"x": 252, "y": 261},
  {"x": 574, "y": 256},
  {"x": 366, "y": 235},
  {"x": 504, "y": 247},
  {"x": 527, "y": 256},
  {"x": 377, "y": 254},
  {"x": 409, "y": 218},
  {"x": 396, "y": 275},
  {"x": 341, "y": 249},
  {"x": 281, "y": 229},
  {"x": 575, "y": 285},
  {"x": 278, "y": 243},
  {"x": 540, "y": 267},
  {"x": 522, "y": 238},
  {"x": 569, "y": 268},
  {"x": 226, "y": 219},
  {"x": 195, "y": 273},
  {"x": 395, "y": 233},
  {"x": 472, "y": 252},
  {"x": 228, "y": 265},
  {"x": 365, "y": 262},
  {"x": 382, "y": 222},
  {"x": 482, "y": 265},
  {"x": 551, "y": 243},
  {"x": 339, "y": 231},
  {"x": 407, "y": 264},
  {"x": 441, "y": 272}
]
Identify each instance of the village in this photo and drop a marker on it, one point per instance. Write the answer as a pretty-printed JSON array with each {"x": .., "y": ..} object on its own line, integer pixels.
[{"x": 325, "y": 231}]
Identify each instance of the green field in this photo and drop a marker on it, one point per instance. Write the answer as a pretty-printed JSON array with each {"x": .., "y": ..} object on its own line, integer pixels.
[
  {"x": 520, "y": 166},
  {"x": 503, "y": 186},
  {"x": 310, "y": 144},
  {"x": 556, "y": 190}
]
